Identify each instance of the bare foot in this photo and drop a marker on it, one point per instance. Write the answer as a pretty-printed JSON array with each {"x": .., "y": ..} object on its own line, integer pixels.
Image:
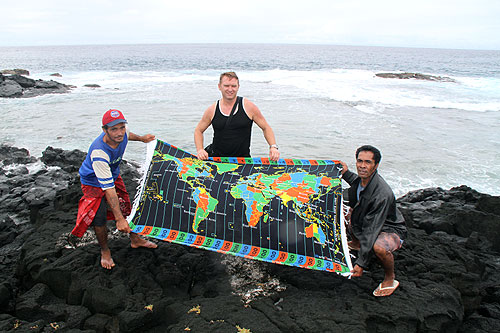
[
  {"x": 136, "y": 241},
  {"x": 106, "y": 260}
]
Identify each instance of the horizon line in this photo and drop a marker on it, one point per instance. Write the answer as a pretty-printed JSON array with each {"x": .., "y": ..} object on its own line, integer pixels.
[{"x": 252, "y": 43}]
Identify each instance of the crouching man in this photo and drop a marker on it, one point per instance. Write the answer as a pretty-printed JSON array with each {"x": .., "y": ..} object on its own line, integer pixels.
[{"x": 376, "y": 225}]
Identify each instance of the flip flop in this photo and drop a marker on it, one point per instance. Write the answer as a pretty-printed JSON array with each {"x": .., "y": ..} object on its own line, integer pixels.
[{"x": 386, "y": 291}]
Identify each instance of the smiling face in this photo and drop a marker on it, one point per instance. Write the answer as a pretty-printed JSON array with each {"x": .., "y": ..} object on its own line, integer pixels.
[
  {"x": 366, "y": 166},
  {"x": 229, "y": 86},
  {"x": 115, "y": 134}
]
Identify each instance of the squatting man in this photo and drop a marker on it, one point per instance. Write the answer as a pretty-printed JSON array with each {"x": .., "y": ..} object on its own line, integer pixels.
[{"x": 376, "y": 225}]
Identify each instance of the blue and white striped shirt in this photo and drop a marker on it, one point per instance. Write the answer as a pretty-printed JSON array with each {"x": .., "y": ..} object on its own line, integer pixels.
[{"x": 102, "y": 165}]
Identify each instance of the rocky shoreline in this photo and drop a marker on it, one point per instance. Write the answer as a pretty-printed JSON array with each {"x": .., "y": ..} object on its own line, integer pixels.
[
  {"x": 16, "y": 84},
  {"x": 449, "y": 270},
  {"x": 417, "y": 76}
]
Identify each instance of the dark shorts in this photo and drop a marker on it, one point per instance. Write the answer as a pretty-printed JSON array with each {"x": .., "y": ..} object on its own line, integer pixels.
[
  {"x": 389, "y": 241},
  {"x": 100, "y": 217}
]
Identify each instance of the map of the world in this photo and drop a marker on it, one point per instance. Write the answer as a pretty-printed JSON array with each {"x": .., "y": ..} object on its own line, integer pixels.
[{"x": 287, "y": 212}]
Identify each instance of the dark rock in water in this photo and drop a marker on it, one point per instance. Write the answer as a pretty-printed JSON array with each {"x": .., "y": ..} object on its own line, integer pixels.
[
  {"x": 15, "y": 71},
  {"x": 460, "y": 211},
  {"x": 92, "y": 85},
  {"x": 16, "y": 85},
  {"x": 69, "y": 161},
  {"x": 417, "y": 76},
  {"x": 448, "y": 270},
  {"x": 13, "y": 155},
  {"x": 22, "y": 80},
  {"x": 9, "y": 88}
]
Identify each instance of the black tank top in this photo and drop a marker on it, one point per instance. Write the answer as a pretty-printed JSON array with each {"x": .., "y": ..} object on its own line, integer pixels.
[{"x": 232, "y": 140}]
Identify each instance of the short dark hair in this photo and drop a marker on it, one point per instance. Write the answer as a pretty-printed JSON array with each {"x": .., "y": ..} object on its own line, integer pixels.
[
  {"x": 377, "y": 156},
  {"x": 231, "y": 75}
]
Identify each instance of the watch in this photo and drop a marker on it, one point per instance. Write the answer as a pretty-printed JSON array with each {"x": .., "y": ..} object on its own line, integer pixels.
[{"x": 273, "y": 146}]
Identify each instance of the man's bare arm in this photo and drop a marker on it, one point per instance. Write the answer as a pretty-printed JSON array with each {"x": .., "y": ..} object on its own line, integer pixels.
[{"x": 114, "y": 205}]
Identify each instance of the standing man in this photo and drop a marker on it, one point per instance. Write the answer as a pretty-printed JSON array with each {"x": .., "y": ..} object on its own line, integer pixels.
[
  {"x": 232, "y": 133},
  {"x": 376, "y": 224},
  {"x": 100, "y": 178}
]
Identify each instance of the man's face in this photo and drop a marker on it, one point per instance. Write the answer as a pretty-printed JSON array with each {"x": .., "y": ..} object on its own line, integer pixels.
[
  {"x": 229, "y": 87},
  {"x": 365, "y": 164},
  {"x": 116, "y": 133}
]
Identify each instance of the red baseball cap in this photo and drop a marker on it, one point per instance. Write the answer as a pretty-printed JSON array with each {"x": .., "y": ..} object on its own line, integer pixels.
[{"x": 113, "y": 117}]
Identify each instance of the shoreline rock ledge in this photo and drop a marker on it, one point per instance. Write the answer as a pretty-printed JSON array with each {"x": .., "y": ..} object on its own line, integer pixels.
[
  {"x": 16, "y": 85},
  {"x": 448, "y": 268},
  {"x": 417, "y": 76}
]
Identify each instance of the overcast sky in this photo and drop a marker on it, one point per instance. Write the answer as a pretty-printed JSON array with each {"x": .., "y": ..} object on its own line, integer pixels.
[{"x": 465, "y": 24}]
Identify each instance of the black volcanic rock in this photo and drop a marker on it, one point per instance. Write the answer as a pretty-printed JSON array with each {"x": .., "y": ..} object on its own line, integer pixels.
[
  {"x": 22, "y": 80},
  {"x": 9, "y": 88},
  {"x": 449, "y": 270},
  {"x": 417, "y": 76},
  {"x": 15, "y": 71},
  {"x": 460, "y": 211},
  {"x": 16, "y": 85}
]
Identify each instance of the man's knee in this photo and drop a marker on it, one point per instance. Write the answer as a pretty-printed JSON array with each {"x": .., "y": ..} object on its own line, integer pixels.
[
  {"x": 387, "y": 242},
  {"x": 381, "y": 251}
]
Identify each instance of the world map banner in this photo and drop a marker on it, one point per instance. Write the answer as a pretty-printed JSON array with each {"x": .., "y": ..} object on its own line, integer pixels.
[{"x": 287, "y": 212}]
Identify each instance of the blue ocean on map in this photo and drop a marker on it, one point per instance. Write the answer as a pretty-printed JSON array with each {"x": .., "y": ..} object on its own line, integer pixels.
[{"x": 323, "y": 101}]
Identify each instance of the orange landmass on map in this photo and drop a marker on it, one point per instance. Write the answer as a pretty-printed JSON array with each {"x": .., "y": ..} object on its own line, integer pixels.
[
  {"x": 310, "y": 231},
  {"x": 301, "y": 193},
  {"x": 203, "y": 202},
  {"x": 283, "y": 178},
  {"x": 185, "y": 166},
  {"x": 254, "y": 219}
]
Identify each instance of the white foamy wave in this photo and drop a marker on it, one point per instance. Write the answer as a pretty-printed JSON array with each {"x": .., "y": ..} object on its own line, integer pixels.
[
  {"x": 367, "y": 92},
  {"x": 123, "y": 79}
]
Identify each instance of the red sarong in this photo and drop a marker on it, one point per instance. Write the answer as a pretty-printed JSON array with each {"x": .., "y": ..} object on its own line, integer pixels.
[{"x": 89, "y": 204}]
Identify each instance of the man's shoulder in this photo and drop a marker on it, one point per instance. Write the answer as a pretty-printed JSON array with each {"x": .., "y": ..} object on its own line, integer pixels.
[
  {"x": 380, "y": 186},
  {"x": 248, "y": 105},
  {"x": 98, "y": 144}
]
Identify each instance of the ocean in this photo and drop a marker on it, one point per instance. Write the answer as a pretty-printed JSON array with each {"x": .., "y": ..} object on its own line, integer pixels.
[{"x": 322, "y": 101}]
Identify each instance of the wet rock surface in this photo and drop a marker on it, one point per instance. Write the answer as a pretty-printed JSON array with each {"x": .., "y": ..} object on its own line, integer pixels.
[
  {"x": 17, "y": 85},
  {"x": 417, "y": 76},
  {"x": 448, "y": 268}
]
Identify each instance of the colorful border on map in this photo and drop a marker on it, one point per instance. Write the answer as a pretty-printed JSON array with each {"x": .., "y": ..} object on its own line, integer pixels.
[
  {"x": 238, "y": 249},
  {"x": 261, "y": 160}
]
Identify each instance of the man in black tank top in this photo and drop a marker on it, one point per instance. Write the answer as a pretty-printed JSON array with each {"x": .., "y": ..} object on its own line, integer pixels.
[{"x": 232, "y": 134}]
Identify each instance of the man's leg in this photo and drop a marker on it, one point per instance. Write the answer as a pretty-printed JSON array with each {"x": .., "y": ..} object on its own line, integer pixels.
[
  {"x": 101, "y": 233},
  {"x": 384, "y": 246}
]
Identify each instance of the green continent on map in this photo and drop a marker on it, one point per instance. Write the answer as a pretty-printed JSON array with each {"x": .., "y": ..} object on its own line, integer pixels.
[{"x": 205, "y": 204}]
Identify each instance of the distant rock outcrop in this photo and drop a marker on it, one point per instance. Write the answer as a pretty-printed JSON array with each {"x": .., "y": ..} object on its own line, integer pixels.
[
  {"x": 417, "y": 76},
  {"x": 92, "y": 85},
  {"x": 448, "y": 269},
  {"x": 16, "y": 85},
  {"x": 15, "y": 71}
]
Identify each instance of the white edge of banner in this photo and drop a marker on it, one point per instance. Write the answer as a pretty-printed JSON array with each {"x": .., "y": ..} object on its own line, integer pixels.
[
  {"x": 150, "y": 149},
  {"x": 345, "y": 246}
]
